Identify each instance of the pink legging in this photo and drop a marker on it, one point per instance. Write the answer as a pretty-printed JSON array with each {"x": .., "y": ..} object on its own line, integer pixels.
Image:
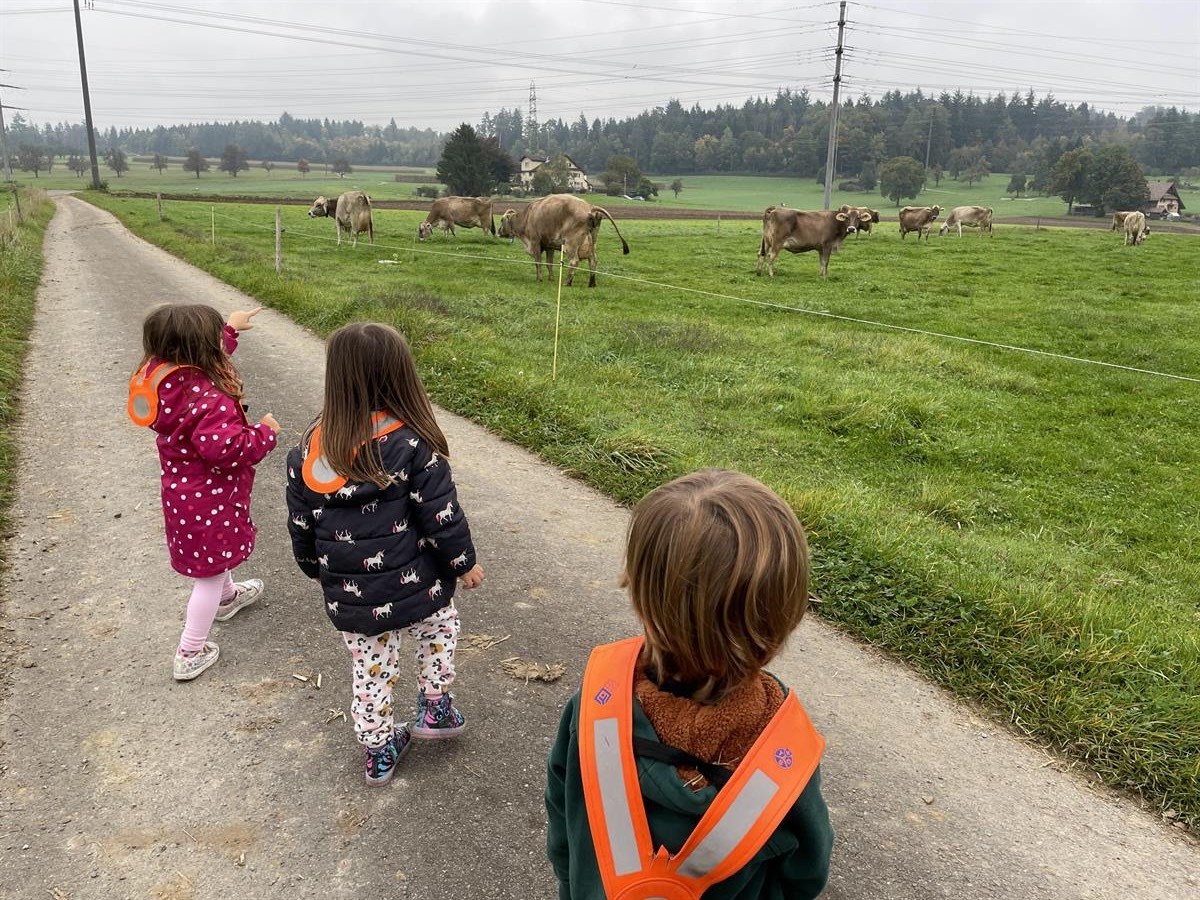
[{"x": 207, "y": 594}]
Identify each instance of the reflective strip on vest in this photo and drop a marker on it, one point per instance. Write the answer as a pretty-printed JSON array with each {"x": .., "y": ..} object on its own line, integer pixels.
[
  {"x": 732, "y": 828},
  {"x": 617, "y": 817}
]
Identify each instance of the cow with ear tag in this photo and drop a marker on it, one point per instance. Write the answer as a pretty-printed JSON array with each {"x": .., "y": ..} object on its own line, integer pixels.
[
  {"x": 866, "y": 217},
  {"x": 799, "y": 231}
]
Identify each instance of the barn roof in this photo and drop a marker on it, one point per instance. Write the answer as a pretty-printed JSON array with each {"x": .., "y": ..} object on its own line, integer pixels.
[{"x": 1160, "y": 189}]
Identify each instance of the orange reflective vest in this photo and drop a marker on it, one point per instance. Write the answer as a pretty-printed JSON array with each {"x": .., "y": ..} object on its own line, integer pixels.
[
  {"x": 143, "y": 393},
  {"x": 318, "y": 474},
  {"x": 741, "y": 819}
]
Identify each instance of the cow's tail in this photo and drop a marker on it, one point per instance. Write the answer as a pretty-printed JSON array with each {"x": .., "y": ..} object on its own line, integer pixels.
[{"x": 604, "y": 212}]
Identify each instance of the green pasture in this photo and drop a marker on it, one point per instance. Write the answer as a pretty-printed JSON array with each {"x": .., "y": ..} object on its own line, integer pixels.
[
  {"x": 744, "y": 193},
  {"x": 1022, "y": 528},
  {"x": 283, "y": 181}
]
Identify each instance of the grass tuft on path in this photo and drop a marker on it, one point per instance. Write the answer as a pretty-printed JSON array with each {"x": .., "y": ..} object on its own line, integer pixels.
[{"x": 1022, "y": 529}]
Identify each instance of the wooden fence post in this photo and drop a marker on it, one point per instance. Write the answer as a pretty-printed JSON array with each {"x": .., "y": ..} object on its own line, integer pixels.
[
  {"x": 158, "y": 196},
  {"x": 718, "y": 224},
  {"x": 213, "y": 211},
  {"x": 278, "y": 244}
]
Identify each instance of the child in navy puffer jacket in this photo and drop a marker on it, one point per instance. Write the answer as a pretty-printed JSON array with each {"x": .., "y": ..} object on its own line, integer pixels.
[{"x": 374, "y": 515}]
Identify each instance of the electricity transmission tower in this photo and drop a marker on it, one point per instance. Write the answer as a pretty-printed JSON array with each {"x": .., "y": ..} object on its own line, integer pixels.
[{"x": 531, "y": 122}]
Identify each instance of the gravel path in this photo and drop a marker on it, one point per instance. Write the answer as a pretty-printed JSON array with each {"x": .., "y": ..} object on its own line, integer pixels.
[{"x": 117, "y": 782}]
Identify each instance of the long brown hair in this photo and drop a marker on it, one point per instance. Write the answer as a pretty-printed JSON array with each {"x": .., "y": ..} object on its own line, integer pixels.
[
  {"x": 369, "y": 367},
  {"x": 191, "y": 334},
  {"x": 717, "y": 569}
]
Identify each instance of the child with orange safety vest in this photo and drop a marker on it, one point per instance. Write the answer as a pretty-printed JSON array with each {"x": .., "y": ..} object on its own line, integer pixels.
[
  {"x": 374, "y": 516},
  {"x": 681, "y": 769},
  {"x": 188, "y": 392}
]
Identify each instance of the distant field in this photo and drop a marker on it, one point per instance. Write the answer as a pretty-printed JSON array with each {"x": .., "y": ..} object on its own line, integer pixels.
[
  {"x": 756, "y": 192},
  {"x": 284, "y": 181},
  {"x": 1021, "y": 528},
  {"x": 746, "y": 193}
]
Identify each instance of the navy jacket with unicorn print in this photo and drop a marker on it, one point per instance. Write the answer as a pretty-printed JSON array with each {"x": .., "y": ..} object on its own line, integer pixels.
[{"x": 386, "y": 557}]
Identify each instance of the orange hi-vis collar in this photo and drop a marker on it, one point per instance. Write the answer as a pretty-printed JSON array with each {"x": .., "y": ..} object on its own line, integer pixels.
[
  {"x": 319, "y": 474},
  {"x": 741, "y": 819},
  {"x": 143, "y": 393}
]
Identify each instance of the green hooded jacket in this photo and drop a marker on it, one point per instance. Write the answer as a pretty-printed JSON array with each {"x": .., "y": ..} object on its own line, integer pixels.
[{"x": 792, "y": 865}]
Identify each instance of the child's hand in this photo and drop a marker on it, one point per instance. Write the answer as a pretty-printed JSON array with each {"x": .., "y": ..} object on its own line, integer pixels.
[
  {"x": 269, "y": 421},
  {"x": 472, "y": 579},
  {"x": 240, "y": 321}
]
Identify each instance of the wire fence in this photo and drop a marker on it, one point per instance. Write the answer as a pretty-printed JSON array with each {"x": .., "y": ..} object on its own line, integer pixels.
[{"x": 718, "y": 295}]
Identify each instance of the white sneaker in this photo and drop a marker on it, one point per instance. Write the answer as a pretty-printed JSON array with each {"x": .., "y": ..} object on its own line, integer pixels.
[
  {"x": 245, "y": 593},
  {"x": 188, "y": 667}
]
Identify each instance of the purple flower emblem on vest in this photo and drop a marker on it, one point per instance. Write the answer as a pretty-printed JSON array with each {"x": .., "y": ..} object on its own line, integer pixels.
[{"x": 783, "y": 758}]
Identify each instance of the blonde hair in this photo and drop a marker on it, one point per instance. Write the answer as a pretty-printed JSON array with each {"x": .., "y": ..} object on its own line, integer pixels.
[
  {"x": 191, "y": 334},
  {"x": 717, "y": 569},
  {"x": 369, "y": 368}
]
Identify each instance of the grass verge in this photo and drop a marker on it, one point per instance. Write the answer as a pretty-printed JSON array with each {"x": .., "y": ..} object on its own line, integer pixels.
[
  {"x": 1021, "y": 528},
  {"x": 20, "y": 272}
]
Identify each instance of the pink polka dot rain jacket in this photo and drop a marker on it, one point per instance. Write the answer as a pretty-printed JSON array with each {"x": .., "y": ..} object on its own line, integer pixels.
[{"x": 208, "y": 450}]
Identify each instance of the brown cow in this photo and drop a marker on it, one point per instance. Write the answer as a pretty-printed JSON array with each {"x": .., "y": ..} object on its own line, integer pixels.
[
  {"x": 466, "y": 212},
  {"x": 980, "y": 216},
  {"x": 1119, "y": 220},
  {"x": 918, "y": 219},
  {"x": 798, "y": 231},
  {"x": 866, "y": 218},
  {"x": 559, "y": 221},
  {"x": 351, "y": 213}
]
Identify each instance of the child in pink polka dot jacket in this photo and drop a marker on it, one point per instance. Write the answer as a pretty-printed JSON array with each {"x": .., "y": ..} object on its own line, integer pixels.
[{"x": 187, "y": 390}]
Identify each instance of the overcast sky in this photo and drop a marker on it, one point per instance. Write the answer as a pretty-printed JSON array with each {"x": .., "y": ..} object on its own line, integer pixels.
[{"x": 437, "y": 63}]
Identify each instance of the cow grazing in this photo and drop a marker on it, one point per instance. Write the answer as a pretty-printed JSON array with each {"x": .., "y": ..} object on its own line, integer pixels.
[
  {"x": 866, "y": 218},
  {"x": 918, "y": 219},
  {"x": 1119, "y": 219},
  {"x": 974, "y": 216},
  {"x": 351, "y": 213},
  {"x": 1136, "y": 228},
  {"x": 465, "y": 212},
  {"x": 798, "y": 231},
  {"x": 559, "y": 221}
]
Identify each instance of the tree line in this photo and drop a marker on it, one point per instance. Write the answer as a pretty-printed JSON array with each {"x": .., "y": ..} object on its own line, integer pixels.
[{"x": 788, "y": 134}]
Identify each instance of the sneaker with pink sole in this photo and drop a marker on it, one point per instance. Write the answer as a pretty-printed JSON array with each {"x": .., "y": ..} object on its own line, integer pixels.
[{"x": 437, "y": 718}]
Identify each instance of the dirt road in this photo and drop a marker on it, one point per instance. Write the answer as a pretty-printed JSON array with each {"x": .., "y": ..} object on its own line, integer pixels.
[{"x": 117, "y": 782}]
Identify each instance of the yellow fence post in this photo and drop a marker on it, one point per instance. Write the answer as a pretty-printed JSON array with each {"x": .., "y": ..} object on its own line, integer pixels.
[{"x": 557, "y": 316}]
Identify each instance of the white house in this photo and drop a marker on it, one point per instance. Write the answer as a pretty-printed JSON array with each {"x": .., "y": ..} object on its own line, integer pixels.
[{"x": 577, "y": 180}]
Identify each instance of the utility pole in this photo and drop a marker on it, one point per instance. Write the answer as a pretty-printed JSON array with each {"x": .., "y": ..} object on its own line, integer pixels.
[
  {"x": 929, "y": 140},
  {"x": 87, "y": 102},
  {"x": 831, "y": 150},
  {"x": 4, "y": 135}
]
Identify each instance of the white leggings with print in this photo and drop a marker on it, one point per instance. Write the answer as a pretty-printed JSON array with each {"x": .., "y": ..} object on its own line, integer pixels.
[{"x": 376, "y": 660}]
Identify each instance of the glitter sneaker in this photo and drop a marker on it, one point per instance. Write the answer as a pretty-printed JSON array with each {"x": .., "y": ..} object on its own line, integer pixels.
[
  {"x": 244, "y": 593},
  {"x": 190, "y": 665}
]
